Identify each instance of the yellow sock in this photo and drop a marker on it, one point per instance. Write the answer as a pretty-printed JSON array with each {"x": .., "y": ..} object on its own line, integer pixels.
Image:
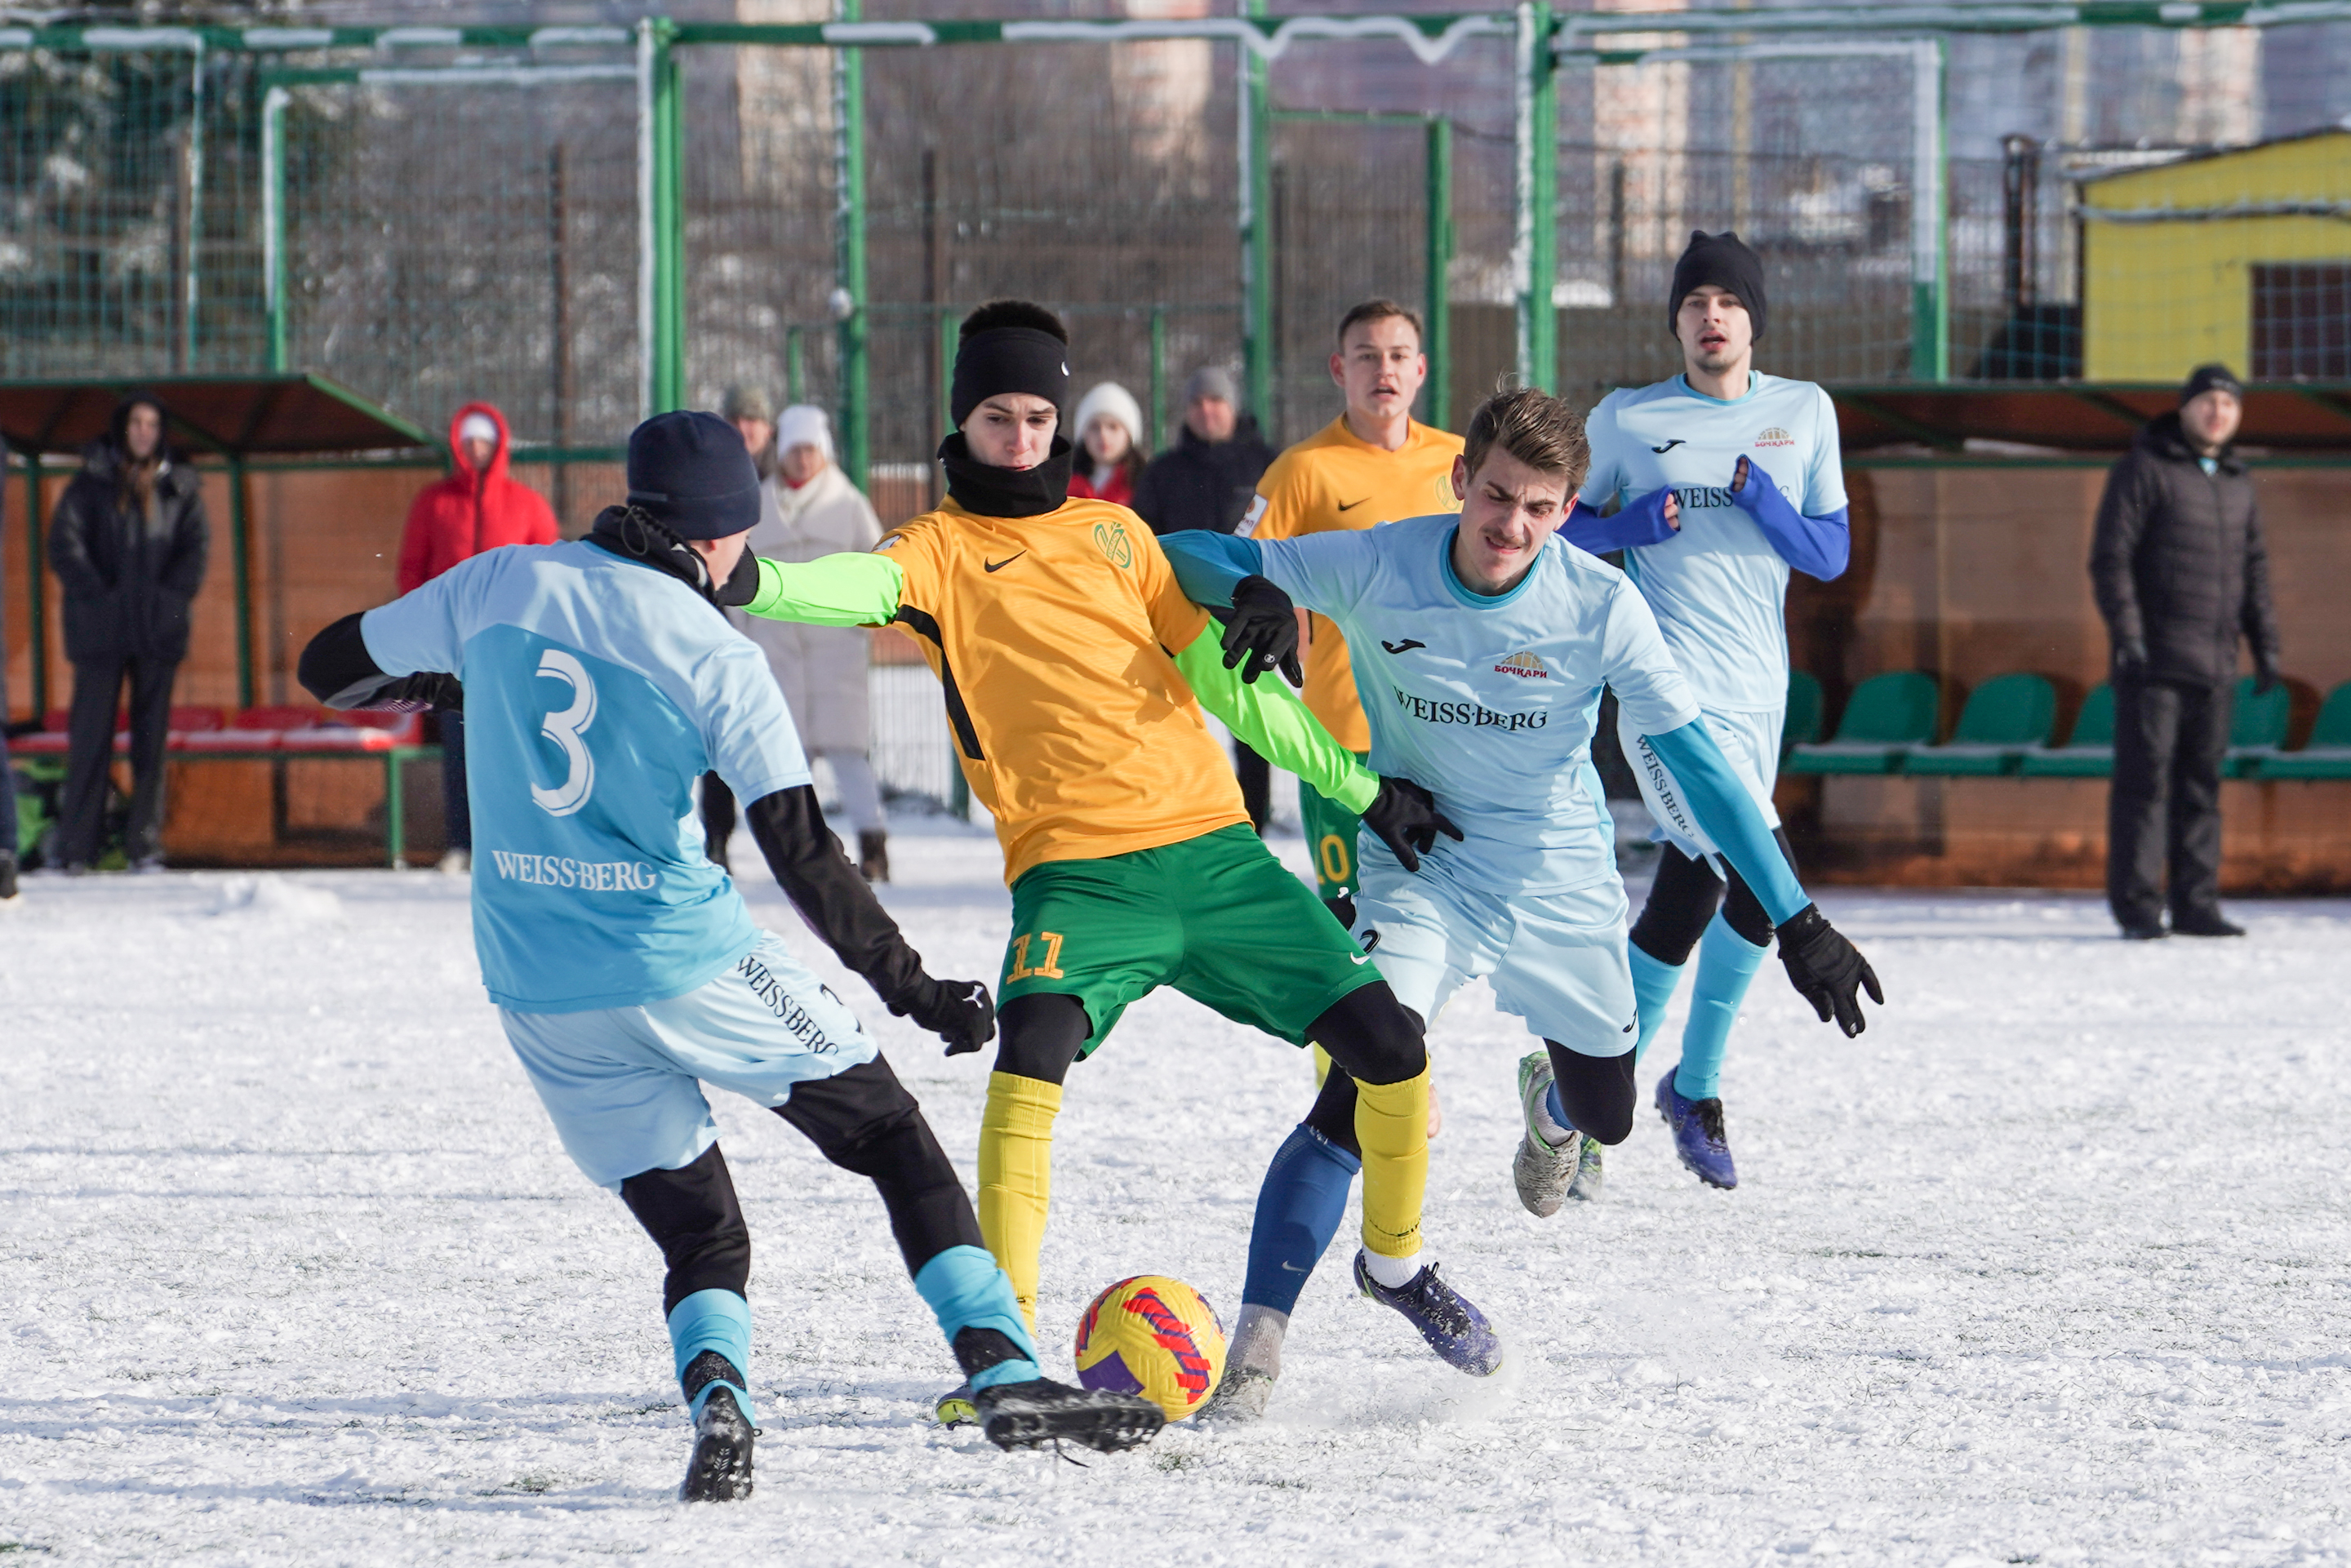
[
  {"x": 1392, "y": 1126},
  {"x": 1015, "y": 1176},
  {"x": 1322, "y": 1065}
]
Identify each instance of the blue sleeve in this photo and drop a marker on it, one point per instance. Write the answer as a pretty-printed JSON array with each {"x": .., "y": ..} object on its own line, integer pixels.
[
  {"x": 1725, "y": 809},
  {"x": 747, "y": 727},
  {"x": 419, "y": 631},
  {"x": 1817, "y": 547},
  {"x": 1641, "y": 522},
  {"x": 1208, "y": 564}
]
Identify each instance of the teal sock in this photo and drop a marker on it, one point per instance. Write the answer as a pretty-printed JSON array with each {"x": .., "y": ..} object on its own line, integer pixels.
[
  {"x": 720, "y": 1321},
  {"x": 1653, "y": 988},
  {"x": 965, "y": 1289},
  {"x": 1727, "y": 963}
]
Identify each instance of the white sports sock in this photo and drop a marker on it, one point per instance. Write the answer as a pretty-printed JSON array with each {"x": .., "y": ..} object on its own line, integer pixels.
[
  {"x": 1393, "y": 1272},
  {"x": 1257, "y": 1339}
]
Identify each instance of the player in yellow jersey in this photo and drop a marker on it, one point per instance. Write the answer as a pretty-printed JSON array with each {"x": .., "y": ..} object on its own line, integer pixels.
[
  {"x": 1075, "y": 671},
  {"x": 1372, "y": 465}
]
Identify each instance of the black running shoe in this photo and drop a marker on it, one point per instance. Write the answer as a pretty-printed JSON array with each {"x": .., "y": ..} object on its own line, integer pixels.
[
  {"x": 721, "y": 1468},
  {"x": 2203, "y": 922},
  {"x": 1030, "y": 1415}
]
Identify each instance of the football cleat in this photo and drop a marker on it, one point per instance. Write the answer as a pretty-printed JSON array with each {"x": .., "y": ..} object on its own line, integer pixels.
[
  {"x": 720, "y": 1471},
  {"x": 955, "y": 1407},
  {"x": 1585, "y": 1188},
  {"x": 1541, "y": 1168},
  {"x": 1241, "y": 1396},
  {"x": 1458, "y": 1331},
  {"x": 1030, "y": 1415},
  {"x": 1699, "y": 1137}
]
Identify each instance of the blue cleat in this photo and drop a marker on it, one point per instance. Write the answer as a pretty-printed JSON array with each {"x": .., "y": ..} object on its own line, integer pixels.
[
  {"x": 1458, "y": 1331},
  {"x": 1697, "y": 1126}
]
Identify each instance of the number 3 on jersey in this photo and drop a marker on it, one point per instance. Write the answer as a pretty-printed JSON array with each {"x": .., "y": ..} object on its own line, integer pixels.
[
  {"x": 564, "y": 728},
  {"x": 1049, "y": 964}
]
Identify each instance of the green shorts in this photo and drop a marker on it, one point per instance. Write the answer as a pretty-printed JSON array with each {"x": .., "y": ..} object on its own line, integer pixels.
[
  {"x": 1217, "y": 917},
  {"x": 1330, "y": 831}
]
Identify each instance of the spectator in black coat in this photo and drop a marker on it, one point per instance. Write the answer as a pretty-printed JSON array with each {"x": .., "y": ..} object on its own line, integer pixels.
[
  {"x": 1208, "y": 479},
  {"x": 128, "y": 542},
  {"x": 2181, "y": 575}
]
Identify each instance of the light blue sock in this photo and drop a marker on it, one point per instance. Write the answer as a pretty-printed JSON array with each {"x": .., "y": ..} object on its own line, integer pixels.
[
  {"x": 720, "y": 1321},
  {"x": 1299, "y": 1206},
  {"x": 965, "y": 1289},
  {"x": 1653, "y": 984},
  {"x": 1727, "y": 963}
]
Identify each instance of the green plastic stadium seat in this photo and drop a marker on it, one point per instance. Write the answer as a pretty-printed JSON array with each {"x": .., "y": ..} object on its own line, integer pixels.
[
  {"x": 2328, "y": 754},
  {"x": 1804, "y": 708},
  {"x": 2089, "y": 752},
  {"x": 1886, "y": 716},
  {"x": 2004, "y": 718},
  {"x": 2258, "y": 729}
]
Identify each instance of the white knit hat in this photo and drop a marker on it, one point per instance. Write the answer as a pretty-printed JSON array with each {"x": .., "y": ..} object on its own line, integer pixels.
[
  {"x": 478, "y": 427},
  {"x": 804, "y": 424},
  {"x": 1111, "y": 399}
]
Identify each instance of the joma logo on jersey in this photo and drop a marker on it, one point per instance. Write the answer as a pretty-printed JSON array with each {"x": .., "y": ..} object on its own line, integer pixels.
[
  {"x": 1111, "y": 538},
  {"x": 1473, "y": 713},
  {"x": 1775, "y": 436},
  {"x": 1526, "y": 666}
]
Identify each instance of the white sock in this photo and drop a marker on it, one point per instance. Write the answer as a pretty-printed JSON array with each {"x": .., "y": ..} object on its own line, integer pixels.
[
  {"x": 1393, "y": 1272},
  {"x": 1547, "y": 1128},
  {"x": 1257, "y": 1340}
]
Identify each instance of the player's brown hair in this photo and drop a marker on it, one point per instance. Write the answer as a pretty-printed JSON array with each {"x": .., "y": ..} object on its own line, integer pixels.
[
  {"x": 1538, "y": 430},
  {"x": 1377, "y": 310}
]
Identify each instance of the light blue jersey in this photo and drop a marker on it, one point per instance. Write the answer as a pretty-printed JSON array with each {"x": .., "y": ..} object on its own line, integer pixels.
[
  {"x": 1490, "y": 703},
  {"x": 1719, "y": 585},
  {"x": 597, "y": 691}
]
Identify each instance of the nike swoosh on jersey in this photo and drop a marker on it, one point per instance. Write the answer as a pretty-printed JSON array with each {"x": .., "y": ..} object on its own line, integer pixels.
[
  {"x": 1351, "y": 506},
  {"x": 1361, "y": 957},
  {"x": 1669, "y": 446},
  {"x": 1000, "y": 565},
  {"x": 1407, "y": 645}
]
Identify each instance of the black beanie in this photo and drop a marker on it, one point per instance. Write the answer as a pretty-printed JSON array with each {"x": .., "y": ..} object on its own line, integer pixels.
[
  {"x": 1724, "y": 261},
  {"x": 1018, "y": 356},
  {"x": 691, "y": 473},
  {"x": 2210, "y": 378}
]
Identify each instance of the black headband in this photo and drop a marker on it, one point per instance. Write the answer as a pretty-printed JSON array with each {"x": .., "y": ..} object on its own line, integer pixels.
[{"x": 1008, "y": 359}]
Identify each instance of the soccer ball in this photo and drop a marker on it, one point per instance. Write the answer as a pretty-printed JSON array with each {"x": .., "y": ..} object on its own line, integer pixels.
[{"x": 1153, "y": 1336}]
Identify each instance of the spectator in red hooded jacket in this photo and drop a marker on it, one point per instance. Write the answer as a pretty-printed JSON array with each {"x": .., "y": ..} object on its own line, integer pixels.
[{"x": 478, "y": 506}]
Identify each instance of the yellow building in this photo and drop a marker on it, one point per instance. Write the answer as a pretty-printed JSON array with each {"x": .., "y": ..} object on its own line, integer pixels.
[{"x": 2242, "y": 256}]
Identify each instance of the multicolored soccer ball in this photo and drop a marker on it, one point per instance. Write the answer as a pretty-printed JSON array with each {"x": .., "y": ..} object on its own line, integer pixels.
[{"x": 1153, "y": 1336}]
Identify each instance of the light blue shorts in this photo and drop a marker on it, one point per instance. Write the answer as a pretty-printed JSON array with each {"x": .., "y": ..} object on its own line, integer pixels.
[
  {"x": 1751, "y": 743},
  {"x": 1556, "y": 960},
  {"x": 623, "y": 1084}
]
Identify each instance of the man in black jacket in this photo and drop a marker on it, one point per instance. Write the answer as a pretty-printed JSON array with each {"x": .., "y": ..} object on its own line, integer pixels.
[
  {"x": 2180, "y": 573},
  {"x": 1208, "y": 480},
  {"x": 128, "y": 542}
]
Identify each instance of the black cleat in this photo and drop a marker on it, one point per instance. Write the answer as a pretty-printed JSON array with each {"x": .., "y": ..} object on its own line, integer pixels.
[
  {"x": 1030, "y": 1415},
  {"x": 721, "y": 1467}
]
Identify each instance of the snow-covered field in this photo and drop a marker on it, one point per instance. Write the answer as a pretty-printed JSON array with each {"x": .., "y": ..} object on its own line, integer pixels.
[{"x": 2050, "y": 1266}]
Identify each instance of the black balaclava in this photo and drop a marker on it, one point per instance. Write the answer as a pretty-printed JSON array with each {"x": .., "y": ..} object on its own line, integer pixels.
[{"x": 1724, "y": 261}]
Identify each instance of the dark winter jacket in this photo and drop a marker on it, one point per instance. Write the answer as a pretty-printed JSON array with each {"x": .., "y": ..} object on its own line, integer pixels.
[
  {"x": 1198, "y": 484},
  {"x": 127, "y": 579},
  {"x": 2179, "y": 565},
  {"x": 457, "y": 518}
]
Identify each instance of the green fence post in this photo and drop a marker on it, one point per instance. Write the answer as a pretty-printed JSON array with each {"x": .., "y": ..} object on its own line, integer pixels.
[
  {"x": 669, "y": 221},
  {"x": 241, "y": 563},
  {"x": 849, "y": 252},
  {"x": 948, "y": 329},
  {"x": 1435, "y": 310},
  {"x": 273, "y": 222},
  {"x": 1930, "y": 300},
  {"x": 1536, "y": 188},
  {"x": 1158, "y": 409},
  {"x": 193, "y": 294},
  {"x": 1257, "y": 235},
  {"x": 37, "y": 607},
  {"x": 795, "y": 367}
]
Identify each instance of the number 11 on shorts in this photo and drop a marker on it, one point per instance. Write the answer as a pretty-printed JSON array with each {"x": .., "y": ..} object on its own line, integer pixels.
[{"x": 1048, "y": 969}]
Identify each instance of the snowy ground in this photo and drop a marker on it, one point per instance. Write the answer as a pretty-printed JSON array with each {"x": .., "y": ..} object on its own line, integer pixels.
[{"x": 2050, "y": 1266}]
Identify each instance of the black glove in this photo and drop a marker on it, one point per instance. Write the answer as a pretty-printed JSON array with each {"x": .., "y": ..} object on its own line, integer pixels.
[
  {"x": 1406, "y": 820},
  {"x": 960, "y": 1012},
  {"x": 1827, "y": 970},
  {"x": 742, "y": 584},
  {"x": 1262, "y": 633},
  {"x": 2130, "y": 658},
  {"x": 426, "y": 688},
  {"x": 2265, "y": 678}
]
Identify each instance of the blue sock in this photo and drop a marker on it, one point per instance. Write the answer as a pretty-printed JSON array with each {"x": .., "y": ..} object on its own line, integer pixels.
[
  {"x": 965, "y": 1289},
  {"x": 720, "y": 1321},
  {"x": 1727, "y": 963},
  {"x": 1299, "y": 1208},
  {"x": 1653, "y": 984}
]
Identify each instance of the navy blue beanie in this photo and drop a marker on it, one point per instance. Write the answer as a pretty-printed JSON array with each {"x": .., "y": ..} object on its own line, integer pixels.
[{"x": 691, "y": 473}]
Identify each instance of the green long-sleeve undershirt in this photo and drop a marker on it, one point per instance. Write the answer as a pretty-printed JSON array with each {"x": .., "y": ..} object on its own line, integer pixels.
[{"x": 866, "y": 590}]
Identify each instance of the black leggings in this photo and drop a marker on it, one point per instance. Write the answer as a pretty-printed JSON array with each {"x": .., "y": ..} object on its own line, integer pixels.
[
  {"x": 1596, "y": 1091},
  {"x": 1367, "y": 1031},
  {"x": 1681, "y": 902},
  {"x": 863, "y": 1121}
]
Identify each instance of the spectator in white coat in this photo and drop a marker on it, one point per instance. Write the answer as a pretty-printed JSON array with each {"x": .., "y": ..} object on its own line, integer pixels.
[{"x": 814, "y": 511}]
